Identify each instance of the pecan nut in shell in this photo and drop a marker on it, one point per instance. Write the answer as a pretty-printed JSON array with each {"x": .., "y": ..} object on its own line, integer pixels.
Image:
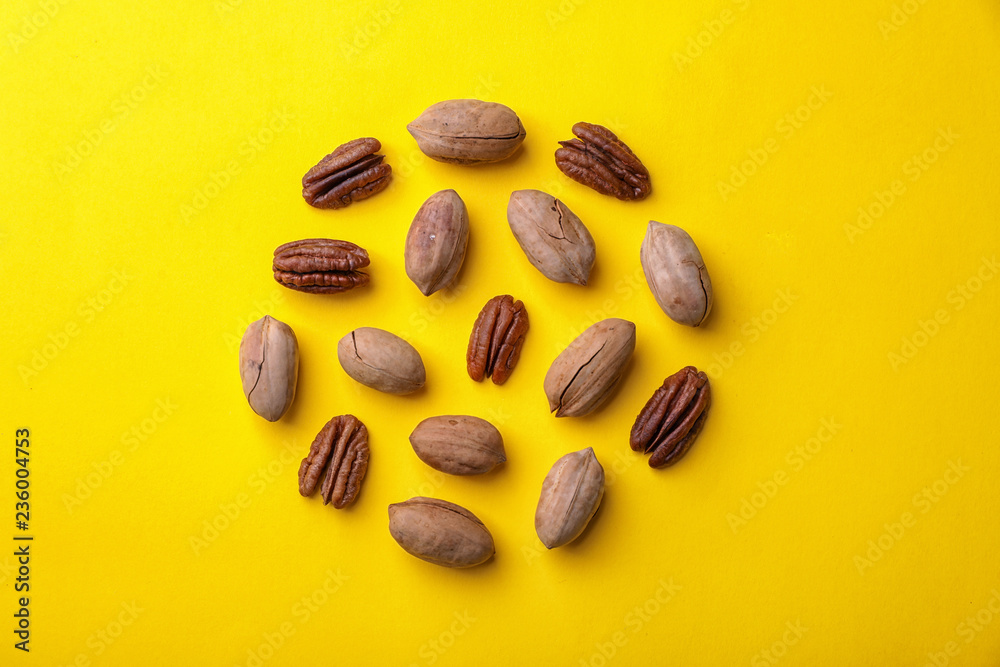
[
  {"x": 440, "y": 532},
  {"x": 269, "y": 367},
  {"x": 436, "y": 242},
  {"x": 571, "y": 494},
  {"x": 467, "y": 131},
  {"x": 458, "y": 444},
  {"x": 341, "y": 451},
  {"x": 553, "y": 238},
  {"x": 584, "y": 375},
  {"x": 673, "y": 417}
]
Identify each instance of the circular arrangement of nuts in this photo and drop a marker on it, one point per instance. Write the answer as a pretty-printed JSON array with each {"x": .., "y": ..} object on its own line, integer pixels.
[{"x": 579, "y": 381}]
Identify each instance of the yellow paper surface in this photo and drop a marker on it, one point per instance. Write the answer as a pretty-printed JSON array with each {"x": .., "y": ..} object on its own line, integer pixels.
[{"x": 836, "y": 163}]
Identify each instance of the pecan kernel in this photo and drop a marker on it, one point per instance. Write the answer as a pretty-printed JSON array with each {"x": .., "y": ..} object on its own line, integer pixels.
[
  {"x": 496, "y": 340},
  {"x": 599, "y": 160},
  {"x": 350, "y": 173},
  {"x": 320, "y": 266},
  {"x": 672, "y": 418},
  {"x": 341, "y": 450}
]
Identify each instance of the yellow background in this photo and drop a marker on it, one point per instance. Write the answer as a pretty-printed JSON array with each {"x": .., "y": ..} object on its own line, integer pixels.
[{"x": 152, "y": 158}]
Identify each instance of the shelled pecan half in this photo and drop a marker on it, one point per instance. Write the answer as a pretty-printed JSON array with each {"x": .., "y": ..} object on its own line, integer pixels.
[
  {"x": 350, "y": 173},
  {"x": 496, "y": 340},
  {"x": 320, "y": 266},
  {"x": 341, "y": 450},
  {"x": 599, "y": 160},
  {"x": 673, "y": 417}
]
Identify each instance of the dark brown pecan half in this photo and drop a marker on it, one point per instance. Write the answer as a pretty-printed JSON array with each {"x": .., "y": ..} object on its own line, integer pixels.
[
  {"x": 351, "y": 173},
  {"x": 496, "y": 340},
  {"x": 599, "y": 160},
  {"x": 341, "y": 449},
  {"x": 673, "y": 417},
  {"x": 320, "y": 266}
]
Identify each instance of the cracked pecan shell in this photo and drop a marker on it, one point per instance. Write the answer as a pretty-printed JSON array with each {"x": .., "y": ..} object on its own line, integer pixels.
[
  {"x": 676, "y": 274},
  {"x": 672, "y": 418},
  {"x": 598, "y": 159},
  {"x": 320, "y": 266},
  {"x": 381, "y": 360},
  {"x": 584, "y": 375},
  {"x": 341, "y": 451},
  {"x": 350, "y": 173},
  {"x": 553, "y": 238},
  {"x": 496, "y": 340}
]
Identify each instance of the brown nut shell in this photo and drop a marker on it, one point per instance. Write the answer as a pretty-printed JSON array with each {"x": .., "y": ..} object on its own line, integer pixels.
[
  {"x": 467, "y": 131},
  {"x": 269, "y": 367},
  {"x": 458, "y": 444},
  {"x": 583, "y": 376},
  {"x": 381, "y": 360},
  {"x": 553, "y": 238},
  {"x": 676, "y": 273},
  {"x": 571, "y": 494},
  {"x": 440, "y": 532},
  {"x": 436, "y": 242}
]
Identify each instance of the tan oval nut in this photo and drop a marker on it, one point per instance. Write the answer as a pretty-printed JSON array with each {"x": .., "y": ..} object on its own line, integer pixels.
[
  {"x": 553, "y": 238},
  {"x": 676, "y": 273},
  {"x": 436, "y": 242},
  {"x": 440, "y": 532},
  {"x": 269, "y": 367},
  {"x": 583, "y": 376},
  {"x": 467, "y": 131},
  {"x": 381, "y": 360},
  {"x": 458, "y": 444},
  {"x": 571, "y": 494}
]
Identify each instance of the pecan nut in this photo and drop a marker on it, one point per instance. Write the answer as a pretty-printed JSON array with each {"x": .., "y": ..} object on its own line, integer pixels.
[
  {"x": 436, "y": 242},
  {"x": 571, "y": 494},
  {"x": 553, "y": 238},
  {"x": 676, "y": 273},
  {"x": 496, "y": 340},
  {"x": 467, "y": 131},
  {"x": 672, "y": 418},
  {"x": 340, "y": 449},
  {"x": 599, "y": 160},
  {"x": 269, "y": 367},
  {"x": 320, "y": 266},
  {"x": 440, "y": 532},
  {"x": 458, "y": 444},
  {"x": 583, "y": 376},
  {"x": 350, "y": 173},
  {"x": 381, "y": 360}
]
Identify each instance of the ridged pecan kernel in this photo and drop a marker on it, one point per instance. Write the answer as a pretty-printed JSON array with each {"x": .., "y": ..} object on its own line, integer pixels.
[
  {"x": 673, "y": 417},
  {"x": 496, "y": 340},
  {"x": 341, "y": 450},
  {"x": 320, "y": 266},
  {"x": 599, "y": 160},
  {"x": 350, "y": 173}
]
